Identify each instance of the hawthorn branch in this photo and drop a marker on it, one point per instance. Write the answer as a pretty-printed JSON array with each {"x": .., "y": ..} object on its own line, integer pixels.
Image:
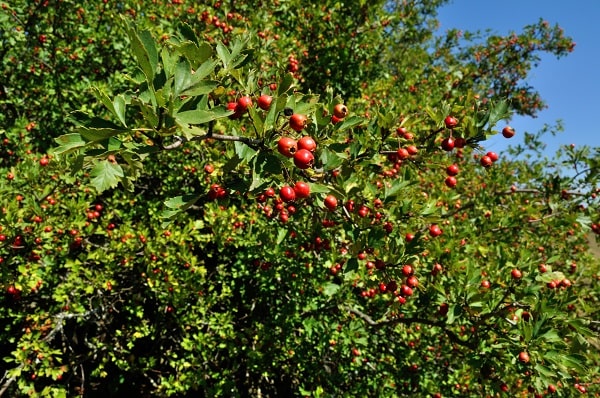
[
  {"x": 179, "y": 141},
  {"x": 451, "y": 335}
]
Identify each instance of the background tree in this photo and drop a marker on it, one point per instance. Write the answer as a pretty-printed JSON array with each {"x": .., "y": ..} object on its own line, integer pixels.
[{"x": 184, "y": 237}]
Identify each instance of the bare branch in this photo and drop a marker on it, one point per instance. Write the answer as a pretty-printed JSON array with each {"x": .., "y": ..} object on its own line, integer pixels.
[{"x": 179, "y": 141}]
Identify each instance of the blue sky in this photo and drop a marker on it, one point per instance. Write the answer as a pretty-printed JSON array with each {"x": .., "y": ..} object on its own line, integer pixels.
[{"x": 570, "y": 86}]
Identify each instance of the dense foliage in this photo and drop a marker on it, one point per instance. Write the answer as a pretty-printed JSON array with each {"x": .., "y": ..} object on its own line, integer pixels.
[{"x": 286, "y": 198}]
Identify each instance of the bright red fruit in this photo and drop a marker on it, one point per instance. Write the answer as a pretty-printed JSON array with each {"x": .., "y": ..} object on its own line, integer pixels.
[
  {"x": 209, "y": 168},
  {"x": 402, "y": 154},
  {"x": 492, "y": 155},
  {"x": 298, "y": 122},
  {"x": 435, "y": 230},
  {"x": 412, "y": 150},
  {"x": 407, "y": 270},
  {"x": 450, "y": 181},
  {"x": 264, "y": 102},
  {"x": 406, "y": 291},
  {"x": 287, "y": 146},
  {"x": 452, "y": 170},
  {"x": 244, "y": 103},
  {"x": 450, "y": 122},
  {"x": 287, "y": 193},
  {"x": 330, "y": 202},
  {"x": 335, "y": 119},
  {"x": 340, "y": 111},
  {"x": 412, "y": 281},
  {"x": 303, "y": 159},
  {"x": 460, "y": 142},
  {"x": 448, "y": 144},
  {"x": 237, "y": 113},
  {"x": 524, "y": 357},
  {"x": 307, "y": 143},
  {"x": 508, "y": 132},
  {"x": 485, "y": 161},
  {"x": 302, "y": 189},
  {"x": 516, "y": 274}
]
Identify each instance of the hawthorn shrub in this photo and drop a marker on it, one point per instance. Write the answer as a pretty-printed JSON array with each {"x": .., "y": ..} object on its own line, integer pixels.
[{"x": 267, "y": 199}]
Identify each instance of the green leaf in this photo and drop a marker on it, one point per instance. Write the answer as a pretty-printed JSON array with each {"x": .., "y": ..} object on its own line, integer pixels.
[
  {"x": 106, "y": 175},
  {"x": 144, "y": 51},
  {"x": 182, "y": 202},
  {"x": 201, "y": 88},
  {"x": 329, "y": 289},
  {"x": 68, "y": 143},
  {"x": 204, "y": 70},
  {"x": 286, "y": 84},
  {"x": 223, "y": 54},
  {"x": 103, "y": 97},
  {"x": 331, "y": 160},
  {"x": 498, "y": 112},
  {"x": 99, "y": 134},
  {"x": 196, "y": 54},
  {"x": 182, "y": 77},
  {"x": 202, "y": 116},
  {"x": 119, "y": 108},
  {"x": 391, "y": 192},
  {"x": 188, "y": 33}
]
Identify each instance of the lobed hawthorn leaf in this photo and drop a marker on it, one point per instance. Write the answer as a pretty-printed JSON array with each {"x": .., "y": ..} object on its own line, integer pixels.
[
  {"x": 106, "y": 175},
  {"x": 498, "y": 111},
  {"x": 187, "y": 32},
  {"x": 349, "y": 122},
  {"x": 68, "y": 143},
  {"x": 199, "y": 116},
  {"x": 144, "y": 50}
]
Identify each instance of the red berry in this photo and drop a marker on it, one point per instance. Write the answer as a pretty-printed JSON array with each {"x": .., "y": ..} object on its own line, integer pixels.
[
  {"x": 233, "y": 106},
  {"x": 435, "y": 230},
  {"x": 452, "y": 170},
  {"x": 244, "y": 103},
  {"x": 486, "y": 161},
  {"x": 287, "y": 146},
  {"x": 402, "y": 154},
  {"x": 450, "y": 122},
  {"x": 448, "y": 144},
  {"x": 307, "y": 143},
  {"x": 302, "y": 189},
  {"x": 407, "y": 270},
  {"x": 524, "y": 357},
  {"x": 406, "y": 291},
  {"x": 412, "y": 150},
  {"x": 412, "y": 281},
  {"x": 460, "y": 142},
  {"x": 303, "y": 159},
  {"x": 264, "y": 102},
  {"x": 330, "y": 202},
  {"x": 298, "y": 122},
  {"x": 209, "y": 168},
  {"x": 492, "y": 155},
  {"x": 340, "y": 111},
  {"x": 508, "y": 132},
  {"x": 287, "y": 193},
  {"x": 516, "y": 274},
  {"x": 450, "y": 181}
]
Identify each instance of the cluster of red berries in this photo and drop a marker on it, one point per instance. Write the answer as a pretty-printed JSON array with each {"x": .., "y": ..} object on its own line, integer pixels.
[
  {"x": 302, "y": 151},
  {"x": 401, "y": 292},
  {"x": 283, "y": 205}
]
